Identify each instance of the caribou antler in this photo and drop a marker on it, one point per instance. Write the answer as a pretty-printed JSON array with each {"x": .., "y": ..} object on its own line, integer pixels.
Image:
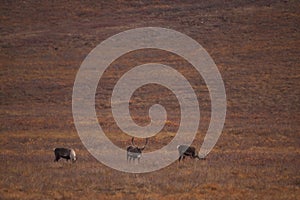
[
  {"x": 145, "y": 144},
  {"x": 132, "y": 142}
]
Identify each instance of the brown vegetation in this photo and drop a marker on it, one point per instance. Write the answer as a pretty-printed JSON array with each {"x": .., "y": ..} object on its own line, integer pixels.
[{"x": 255, "y": 46}]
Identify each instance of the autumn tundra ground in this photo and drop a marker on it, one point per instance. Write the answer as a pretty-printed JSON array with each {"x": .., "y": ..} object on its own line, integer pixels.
[{"x": 255, "y": 45}]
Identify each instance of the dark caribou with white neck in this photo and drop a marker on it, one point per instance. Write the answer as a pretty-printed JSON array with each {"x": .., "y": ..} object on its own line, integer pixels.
[
  {"x": 189, "y": 151},
  {"x": 66, "y": 153},
  {"x": 134, "y": 151}
]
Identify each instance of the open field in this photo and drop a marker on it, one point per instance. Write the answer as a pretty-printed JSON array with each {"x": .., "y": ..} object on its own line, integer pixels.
[{"x": 256, "y": 46}]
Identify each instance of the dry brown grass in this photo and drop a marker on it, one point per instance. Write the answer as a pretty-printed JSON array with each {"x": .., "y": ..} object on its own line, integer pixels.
[
  {"x": 30, "y": 173},
  {"x": 255, "y": 46}
]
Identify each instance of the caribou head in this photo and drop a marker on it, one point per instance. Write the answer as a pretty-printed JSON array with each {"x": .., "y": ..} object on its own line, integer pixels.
[{"x": 134, "y": 151}]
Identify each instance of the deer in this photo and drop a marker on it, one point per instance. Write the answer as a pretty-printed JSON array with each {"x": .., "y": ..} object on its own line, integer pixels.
[
  {"x": 66, "y": 153},
  {"x": 189, "y": 151},
  {"x": 134, "y": 151}
]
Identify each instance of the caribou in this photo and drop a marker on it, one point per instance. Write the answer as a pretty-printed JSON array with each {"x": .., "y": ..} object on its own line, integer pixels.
[
  {"x": 66, "y": 153},
  {"x": 134, "y": 151},
  {"x": 188, "y": 151}
]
